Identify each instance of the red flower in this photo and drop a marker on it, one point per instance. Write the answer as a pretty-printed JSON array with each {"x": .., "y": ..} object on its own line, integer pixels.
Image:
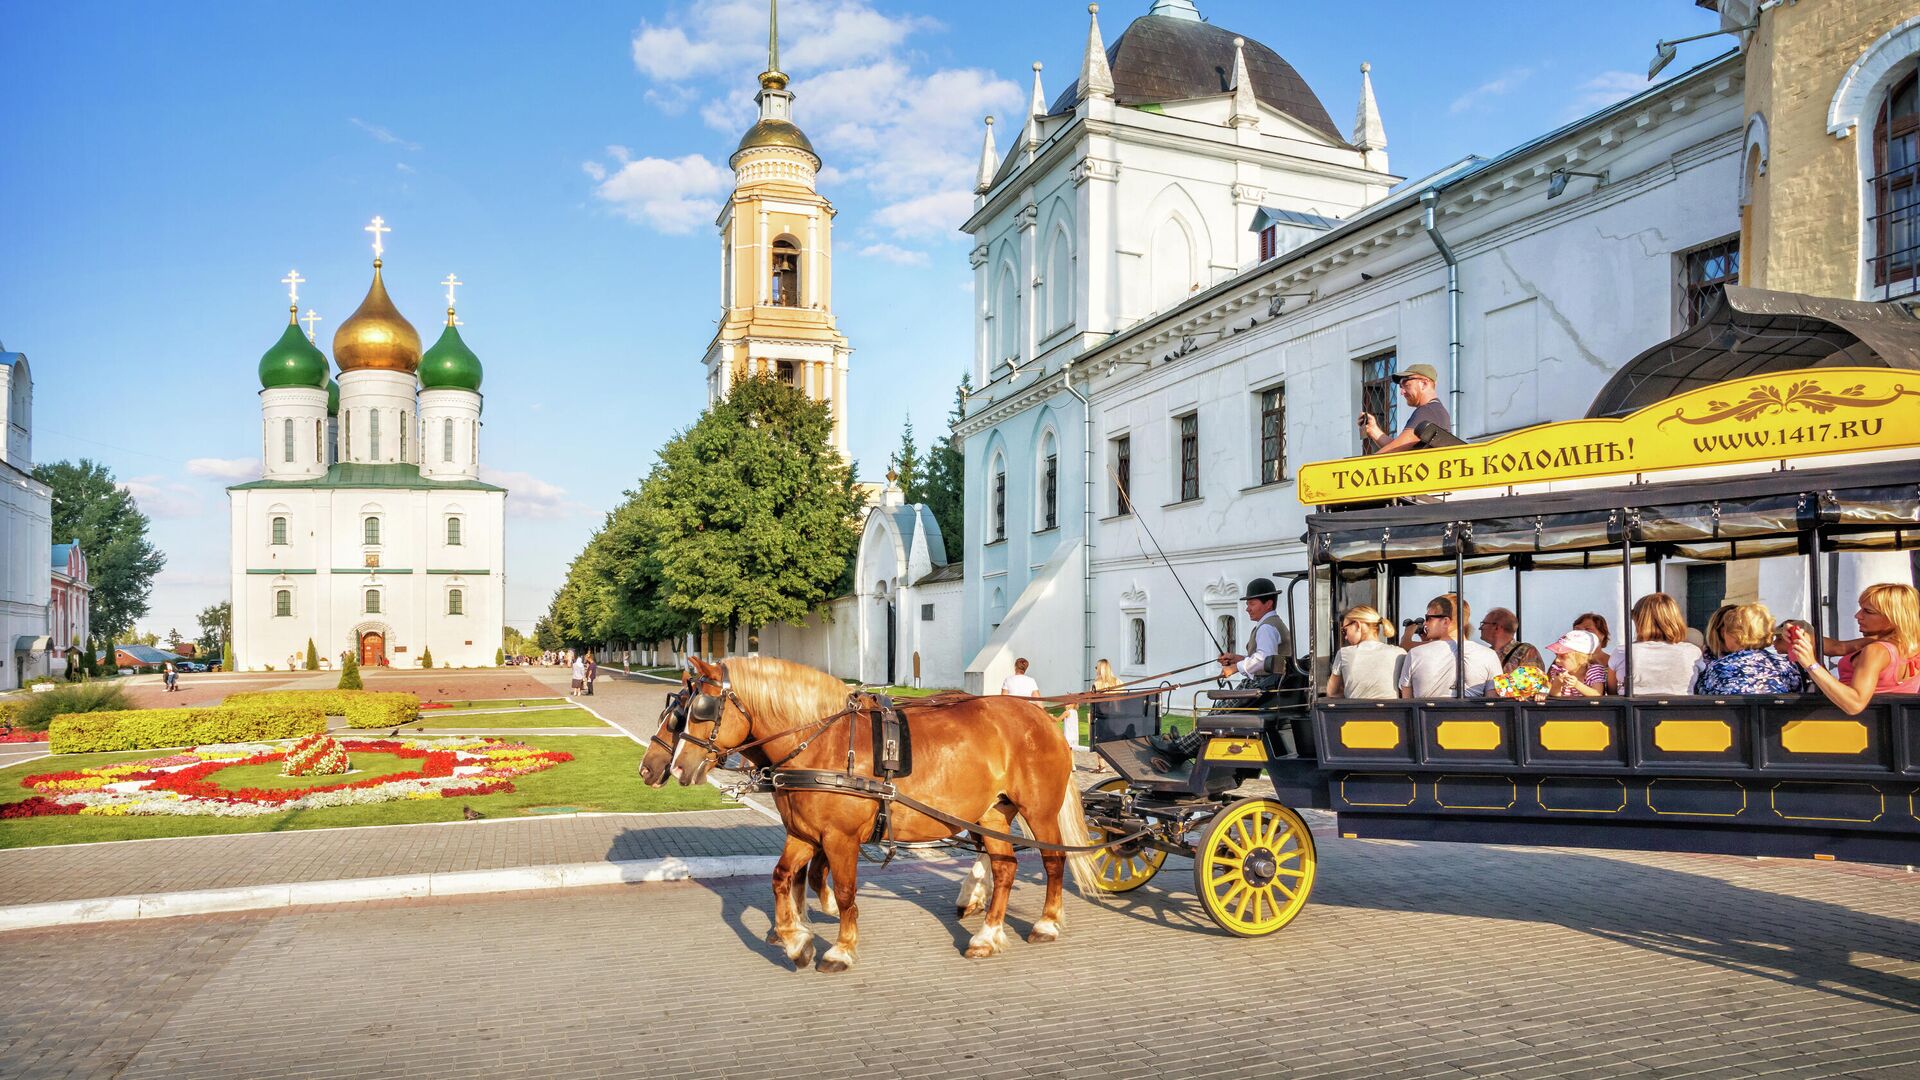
[{"x": 37, "y": 806}]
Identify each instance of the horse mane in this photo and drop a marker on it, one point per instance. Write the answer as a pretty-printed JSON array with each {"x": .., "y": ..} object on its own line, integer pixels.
[{"x": 782, "y": 694}]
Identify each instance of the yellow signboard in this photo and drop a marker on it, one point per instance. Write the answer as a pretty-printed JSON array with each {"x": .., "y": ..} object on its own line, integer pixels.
[{"x": 1789, "y": 414}]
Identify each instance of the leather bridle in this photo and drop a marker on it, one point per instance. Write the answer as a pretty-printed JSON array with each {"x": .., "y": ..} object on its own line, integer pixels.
[{"x": 692, "y": 704}]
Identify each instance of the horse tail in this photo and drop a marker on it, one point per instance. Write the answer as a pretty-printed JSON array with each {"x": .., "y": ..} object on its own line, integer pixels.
[{"x": 1073, "y": 832}]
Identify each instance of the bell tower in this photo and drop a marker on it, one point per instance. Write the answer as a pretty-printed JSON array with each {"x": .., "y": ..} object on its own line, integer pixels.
[{"x": 776, "y": 260}]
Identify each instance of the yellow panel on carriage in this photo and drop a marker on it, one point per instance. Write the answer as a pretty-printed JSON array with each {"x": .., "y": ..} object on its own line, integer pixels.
[
  {"x": 1786, "y": 414},
  {"x": 1243, "y": 750}
]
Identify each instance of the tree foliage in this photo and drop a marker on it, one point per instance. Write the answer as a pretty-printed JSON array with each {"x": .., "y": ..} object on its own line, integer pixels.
[
  {"x": 350, "y": 673},
  {"x": 747, "y": 518},
  {"x": 121, "y": 563},
  {"x": 313, "y": 656},
  {"x": 943, "y": 484},
  {"x": 905, "y": 463},
  {"x": 216, "y": 627}
]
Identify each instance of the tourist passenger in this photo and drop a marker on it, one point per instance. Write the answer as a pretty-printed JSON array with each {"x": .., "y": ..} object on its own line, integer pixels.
[
  {"x": 1103, "y": 680},
  {"x": 1497, "y": 628},
  {"x": 1781, "y": 644},
  {"x": 593, "y": 672},
  {"x": 1020, "y": 684},
  {"x": 1575, "y": 672},
  {"x": 1663, "y": 660},
  {"x": 1887, "y": 663},
  {"x": 1418, "y": 390},
  {"x": 1751, "y": 667},
  {"x": 1431, "y": 670},
  {"x": 1366, "y": 667},
  {"x": 1715, "y": 645},
  {"x": 1596, "y": 624}
]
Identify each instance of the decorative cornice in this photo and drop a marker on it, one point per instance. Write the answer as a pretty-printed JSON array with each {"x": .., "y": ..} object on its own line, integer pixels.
[{"x": 1222, "y": 590}]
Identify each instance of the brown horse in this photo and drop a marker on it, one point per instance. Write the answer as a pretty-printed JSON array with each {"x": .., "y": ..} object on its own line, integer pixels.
[{"x": 985, "y": 760}]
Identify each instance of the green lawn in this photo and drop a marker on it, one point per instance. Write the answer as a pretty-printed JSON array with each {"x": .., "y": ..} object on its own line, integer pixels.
[
  {"x": 601, "y": 777},
  {"x": 499, "y": 703},
  {"x": 435, "y": 720}
]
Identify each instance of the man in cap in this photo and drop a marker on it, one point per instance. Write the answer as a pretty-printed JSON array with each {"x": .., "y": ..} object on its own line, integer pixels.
[
  {"x": 1419, "y": 389},
  {"x": 1262, "y": 665}
]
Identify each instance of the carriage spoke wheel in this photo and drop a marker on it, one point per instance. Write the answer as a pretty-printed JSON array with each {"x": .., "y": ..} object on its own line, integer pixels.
[
  {"x": 1254, "y": 867},
  {"x": 1129, "y": 866}
]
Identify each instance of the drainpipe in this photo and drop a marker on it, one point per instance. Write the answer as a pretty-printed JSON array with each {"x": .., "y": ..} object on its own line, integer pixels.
[
  {"x": 1430, "y": 221},
  {"x": 1086, "y": 520}
]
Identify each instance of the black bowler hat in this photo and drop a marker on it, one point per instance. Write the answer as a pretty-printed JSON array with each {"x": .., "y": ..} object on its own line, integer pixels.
[{"x": 1262, "y": 589}]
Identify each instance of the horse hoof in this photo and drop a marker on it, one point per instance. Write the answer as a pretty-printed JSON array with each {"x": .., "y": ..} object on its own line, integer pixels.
[
  {"x": 1037, "y": 936},
  {"x": 979, "y": 952},
  {"x": 803, "y": 959},
  {"x": 773, "y": 938},
  {"x": 835, "y": 961}
]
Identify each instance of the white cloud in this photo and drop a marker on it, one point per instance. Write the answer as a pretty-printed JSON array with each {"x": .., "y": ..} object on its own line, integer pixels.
[
  {"x": 224, "y": 468},
  {"x": 669, "y": 195},
  {"x": 897, "y": 255},
  {"x": 1495, "y": 87},
  {"x": 883, "y": 119},
  {"x": 401, "y": 166},
  {"x": 382, "y": 134},
  {"x": 161, "y": 497},
  {"x": 1604, "y": 89},
  {"x": 529, "y": 496},
  {"x": 938, "y": 214}
]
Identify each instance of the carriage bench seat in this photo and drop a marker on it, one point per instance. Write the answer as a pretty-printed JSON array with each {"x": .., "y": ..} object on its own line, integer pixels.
[{"x": 1132, "y": 759}]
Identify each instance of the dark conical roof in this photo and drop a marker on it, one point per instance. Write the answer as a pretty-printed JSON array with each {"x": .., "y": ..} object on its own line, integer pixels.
[{"x": 1159, "y": 59}]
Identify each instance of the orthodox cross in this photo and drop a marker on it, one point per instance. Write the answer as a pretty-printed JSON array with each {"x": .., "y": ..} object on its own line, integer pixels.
[
  {"x": 451, "y": 283},
  {"x": 376, "y": 229},
  {"x": 292, "y": 282},
  {"x": 310, "y": 318}
]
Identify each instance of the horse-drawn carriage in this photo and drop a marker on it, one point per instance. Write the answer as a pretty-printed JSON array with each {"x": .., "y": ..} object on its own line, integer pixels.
[{"x": 1780, "y": 775}]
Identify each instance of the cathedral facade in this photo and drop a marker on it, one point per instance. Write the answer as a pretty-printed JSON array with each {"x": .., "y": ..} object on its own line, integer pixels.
[{"x": 370, "y": 531}]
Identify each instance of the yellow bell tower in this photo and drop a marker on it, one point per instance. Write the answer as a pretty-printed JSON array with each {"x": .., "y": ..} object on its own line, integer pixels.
[{"x": 776, "y": 260}]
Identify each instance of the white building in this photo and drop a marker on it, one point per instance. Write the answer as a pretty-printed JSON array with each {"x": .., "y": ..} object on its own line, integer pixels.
[
  {"x": 370, "y": 530},
  {"x": 1235, "y": 284},
  {"x": 26, "y": 533}
]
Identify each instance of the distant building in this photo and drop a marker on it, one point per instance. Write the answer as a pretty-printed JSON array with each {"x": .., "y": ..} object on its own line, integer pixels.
[
  {"x": 26, "y": 533},
  {"x": 142, "y": 657},
  {"x": 70, "y": 609}
]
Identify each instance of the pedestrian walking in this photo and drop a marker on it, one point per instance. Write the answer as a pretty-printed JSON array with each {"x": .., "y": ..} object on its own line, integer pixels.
[
  {"x": 579, "y": 677},
  {"x": 169, "y": 677},
  {"x": 593, "y": 672},
  {"x": 1019, "y": 684}
]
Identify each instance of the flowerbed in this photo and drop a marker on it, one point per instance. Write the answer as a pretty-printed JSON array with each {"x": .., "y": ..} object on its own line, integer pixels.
[
  {"x": 362, "y": 708},
  {"x": 315, "y": 755},
  {"x": 183, "y": 783},
  {"x": 20, "y": 735}
]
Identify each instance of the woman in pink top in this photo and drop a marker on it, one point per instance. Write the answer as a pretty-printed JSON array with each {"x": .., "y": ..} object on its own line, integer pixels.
[{"x": 1888, "y": 659}]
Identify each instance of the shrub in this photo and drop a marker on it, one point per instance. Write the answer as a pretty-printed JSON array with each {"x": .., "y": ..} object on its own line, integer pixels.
[
  {"x": 313, "y": 656},
  {"x": 147, "y": 729},
  {"x": 426, "y": 657},
  {"x": 36, "y": 711},
  {"x": 226, "y": 656},
  {"x": 500, "y": 657},
  {"x": 362, "y": 708},
  {"x": 350, "y": 673}
]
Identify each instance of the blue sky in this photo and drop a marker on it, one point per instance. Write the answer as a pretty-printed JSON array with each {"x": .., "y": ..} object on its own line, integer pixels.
[{"x": 164, "y": 166}]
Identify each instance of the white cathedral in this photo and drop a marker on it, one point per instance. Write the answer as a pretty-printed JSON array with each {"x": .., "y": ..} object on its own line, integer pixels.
[{"x": 369, "y": 531}]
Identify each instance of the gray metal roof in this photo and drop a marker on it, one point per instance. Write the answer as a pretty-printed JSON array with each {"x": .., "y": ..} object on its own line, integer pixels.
[
  {"x": 1159, "y": 59},
  {"x": 1273, "y": 215},
  {"x": 1753, "y": 331}
]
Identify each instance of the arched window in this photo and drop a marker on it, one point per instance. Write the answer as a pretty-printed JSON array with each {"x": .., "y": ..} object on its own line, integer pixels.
[
  {"x": 370, "y": 531},
  {"x": 373, "y": 602},
  {"x": 1137, "y": 647},
  {"x": 998, "y": 515},
  {"x": 1171, "y": 264},
  {"x": 453, "y": 532},
  {"x": 446, "y": 439},
  {"x": 1006, "y": 315},
  {"x": 1229, "y": 632},
  {"x": 1060, "y": 285},
  {"x": 456, "y": 602},
  {"x": 279, "y": 530},
  {"x": 320, "y": 442},
  {"x": 286, "y": 438},
  {"x": 283, "y": 603},
  {"x": 1896, "y": 187},
  {"x": 1049, "y": 483},
  {"x": 786, "y": 273}
]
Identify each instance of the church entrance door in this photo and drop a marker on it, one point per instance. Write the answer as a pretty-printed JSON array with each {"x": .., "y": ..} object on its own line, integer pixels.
[{"x": 373, "y": 649}]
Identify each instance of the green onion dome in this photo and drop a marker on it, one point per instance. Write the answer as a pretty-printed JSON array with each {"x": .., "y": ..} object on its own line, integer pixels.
[
  {"x": 450, "y": 365},
  {"x": 333, "y": 398},
  {"x": 293, "y": 361}
]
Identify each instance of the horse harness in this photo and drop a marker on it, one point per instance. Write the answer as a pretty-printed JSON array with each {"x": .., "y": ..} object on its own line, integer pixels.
[{"x": 892, "y": 756}]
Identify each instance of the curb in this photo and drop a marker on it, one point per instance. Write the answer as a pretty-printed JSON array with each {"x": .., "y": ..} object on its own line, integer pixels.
[{"x": 357, "y": 890}]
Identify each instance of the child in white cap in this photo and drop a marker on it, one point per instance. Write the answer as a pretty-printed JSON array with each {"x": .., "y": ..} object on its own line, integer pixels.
[{"x": 1574, "y": 673}]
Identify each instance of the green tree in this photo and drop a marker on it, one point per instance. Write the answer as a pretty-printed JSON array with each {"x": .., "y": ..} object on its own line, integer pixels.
[
  {"x": 500, "y": 657},
  {"x": 121, "y": 563},
  {"x": 513, "y": 641},
  {"x": 313, "y": 656},
  {"x": 426, "y": 657},
  {"x": 545, "y": 637},
  {"x": 226, "y": 656},
  {"x": 750, "y": 510},
  {"x": 216, "y": 626},
  {"x": 944, "y": 484},
  {"x": 146, "y": 637},
  {"x": 350, "y": 673},
  {"x": 905, "y": 464},
  {"x": 174, "y": 640}
]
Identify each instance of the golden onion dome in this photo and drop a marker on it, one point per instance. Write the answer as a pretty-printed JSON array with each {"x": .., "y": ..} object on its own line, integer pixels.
[
  {"x": 778, "y": 133},
  {"x": 376, "y": 337}
]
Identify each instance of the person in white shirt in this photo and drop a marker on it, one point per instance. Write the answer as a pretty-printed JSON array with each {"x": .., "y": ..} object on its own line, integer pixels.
[
  {"x": 1431, "y": 670},
  {"x": 1664, "y": 661},
  {"x": 1367, "y": 667},
  {"x": 1020, "y": 684}
]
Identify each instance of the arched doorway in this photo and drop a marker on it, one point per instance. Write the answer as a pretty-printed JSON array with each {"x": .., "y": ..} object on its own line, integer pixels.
[{"x": 373, "y": 649}]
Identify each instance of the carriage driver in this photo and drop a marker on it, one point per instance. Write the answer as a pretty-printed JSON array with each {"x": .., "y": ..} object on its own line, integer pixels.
[{"x": 1260, "y": 667}]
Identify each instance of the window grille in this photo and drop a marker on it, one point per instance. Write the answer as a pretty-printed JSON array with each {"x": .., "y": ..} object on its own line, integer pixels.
[
  {"x": 1189, "y": 457},
  {"x": 1123, "y": 475},
  {"x": 1050, "y": 497},
  {"x": 370, "y": 531},
  {"x": 1138, "y": 647},
  {"x": 453, "y": 532},
  {"x": 1377, "y": 393},
  {"x": 999, "y": 502},
  {"x": 279, "y": 530},
  {"x": 1273, "y": 435},
  {"x": 1709, "y": 270},
  {"x": 282, "y": 603},
  {"x": 1896, "y": 187},
  {"x": 373, "y": 602},
  {"x": 456, "y": 604}
]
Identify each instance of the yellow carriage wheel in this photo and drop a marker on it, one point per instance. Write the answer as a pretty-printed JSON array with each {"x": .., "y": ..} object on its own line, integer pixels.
[
  {"x": 1129, "y": 866},
  {"x": 1254, "y": 867}
]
